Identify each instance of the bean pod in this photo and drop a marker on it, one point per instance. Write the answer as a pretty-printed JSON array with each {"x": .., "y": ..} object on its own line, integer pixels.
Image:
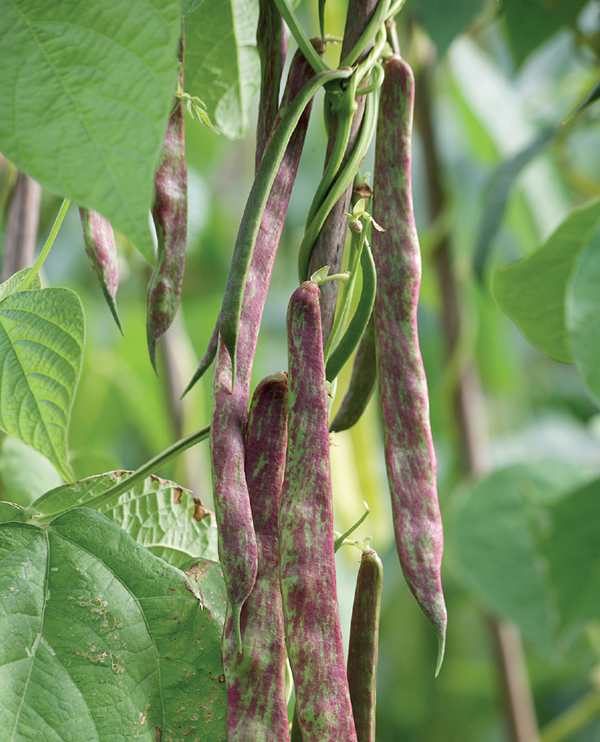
[
  {"x": 237, "y": 542},
  {"x": 99, "y": 241},
  {"x": 308, "y": 583},
  {"x": 409, "y": 453},
  {"x": 363, "y": 644},
  {"x": 169, "y": 213},
  {"x": 256, "y": 698}
]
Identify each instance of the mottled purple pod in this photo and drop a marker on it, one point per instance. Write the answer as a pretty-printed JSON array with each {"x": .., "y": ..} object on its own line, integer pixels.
[
  {"x": 363, "y": 644},
  {"x": 409, "y": 454},
  {"x": 237, "y": 541},
  {"x": 169, "y": 213},
  {"x": 308, "y": 583},
  {"x": 256, "y": 698},
  {"x": 362, "y": 383},
  {"x": 99, "y": 241},
  {"x": 271, "y": 41}
]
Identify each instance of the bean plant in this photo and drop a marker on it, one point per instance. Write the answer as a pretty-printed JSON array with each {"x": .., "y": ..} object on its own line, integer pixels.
[{"x": 128, "y": 608}]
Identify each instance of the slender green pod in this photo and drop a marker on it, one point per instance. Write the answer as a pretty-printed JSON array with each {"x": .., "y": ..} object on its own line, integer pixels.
[
  {"x": 169, "y": 213},
  {"x": 362, "y": 647},
  {"x": 271, "y": 41},
  {"x": 256, "y": 694},
  {"x": 252, "y": 219},
  {"x": 99, "y": 241},
  {"x": 237, "y": 541},
  {"x": 360, "y": 320},
  {"x": 362, "y": 383},
  {"x": 409, "y": 454},
  {"x": 308, "y": 583}
]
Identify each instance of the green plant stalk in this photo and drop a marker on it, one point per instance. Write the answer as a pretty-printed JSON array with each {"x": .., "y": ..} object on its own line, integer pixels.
[
  {"x": 373, "y": 27},
  {"x": 302, "y": 39},
  {"x": 576, "y": 717},
  {"x": 114, "y": 492},
  {"x": 255, "y": 206},
  {"x": 343, "y": 181},
  {"x": 339, "y": 542},
  {"x": 49, "y": 242}
]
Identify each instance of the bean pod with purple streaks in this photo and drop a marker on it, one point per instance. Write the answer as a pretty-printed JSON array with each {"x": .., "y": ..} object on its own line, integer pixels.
[
  {"x": 256, "y": 698},
  {"x": 362, "y": 383},
  {"x": 308, "y": 583},
  {"x": 363, "y": 644},
  {"x": 409, "y": 453},
  {"x": 169, "y": 213},
  {"x": 237, "y": 542},
  {"x": 99, "y": 241}
]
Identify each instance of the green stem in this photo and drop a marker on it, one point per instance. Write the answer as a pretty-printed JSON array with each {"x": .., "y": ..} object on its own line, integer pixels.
[
  {"x": 340, "y": 539},
  {"x": 373, "y": 27},
  {"x": 302, "y": 39},
  {"x": 573, "y": 719},
  {"x": 113, "y": 493},
  {"x": 49, "y": 242}
]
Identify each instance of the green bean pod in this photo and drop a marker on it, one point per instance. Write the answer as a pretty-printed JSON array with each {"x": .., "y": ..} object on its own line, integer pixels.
[
  {"x": 99, "y": 241},
  {"x": 256, "y": 696},
  {"x": 362, "y": 383},
  {"x": 409, "y": 454},
  {"x": 308, "y": 583},
  {"x": 362, "y": 647}
]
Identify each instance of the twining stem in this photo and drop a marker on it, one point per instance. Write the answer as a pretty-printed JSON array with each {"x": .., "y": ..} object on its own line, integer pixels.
[
  {"x": 49, "y": 242},
  {"x": 572, "y": 719},
  {"x": 302, "y": 39},
  {"x": 22, "y": 219}
]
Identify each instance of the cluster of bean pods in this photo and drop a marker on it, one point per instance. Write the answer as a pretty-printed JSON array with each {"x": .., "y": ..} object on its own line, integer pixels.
[{"x": 270, "y": 454}]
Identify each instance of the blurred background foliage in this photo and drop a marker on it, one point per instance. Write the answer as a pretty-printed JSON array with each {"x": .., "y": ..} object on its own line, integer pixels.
[{"x": 519, "y": 501}]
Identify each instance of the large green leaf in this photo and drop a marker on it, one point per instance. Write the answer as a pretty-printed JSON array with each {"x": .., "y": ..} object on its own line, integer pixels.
[
  {"x": 86, "y": 90},
  {"x": 158, "y": 514},
  {"x": 571, "y": 548},
  {"x": 582, "y": 311},
  {"x": 444, "y": 21},
  {"x": 532, "y": 290},
  {"x": 24, "y": 473},
  {"x": 493, "y": 544},
  {"x": 531, "y": 22},
  {"x": 41, "y": 347},
  {"x": 101, "y": 640},
  {"x": 222, "y": 66}
]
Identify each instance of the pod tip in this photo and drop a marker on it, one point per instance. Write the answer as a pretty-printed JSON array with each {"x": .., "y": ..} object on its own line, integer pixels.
[{"x": 441, "y": 650}]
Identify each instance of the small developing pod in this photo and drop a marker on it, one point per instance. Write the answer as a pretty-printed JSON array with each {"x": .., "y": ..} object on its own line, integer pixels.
[
  {"x": 256, "y": 697},
  {"x": 99, "y": 241},
  {"x": 362, "y": 383},
  {"x": 363, "y": 645},
  {"x": 237, "y": 541},
  {"x": 409, "y": 454},
  {"x": 169, "y": 213},
  {"x": 308, "y": 582}
]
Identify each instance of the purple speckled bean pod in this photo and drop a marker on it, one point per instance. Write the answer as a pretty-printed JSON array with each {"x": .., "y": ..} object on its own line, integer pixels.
[
  {"x": 308, "y": 584},
  {"x": 256, "y": 698},
  {"x": 271, "y": 40},
  {"x": 363, "y": 644},
  {"x": 409, "y": 454},
  {"x": 237, "y": 541},
  {"x": 169, "y": 213},
  {"x": 362, "y": 383},
  {"x": 99, "y": 241}
]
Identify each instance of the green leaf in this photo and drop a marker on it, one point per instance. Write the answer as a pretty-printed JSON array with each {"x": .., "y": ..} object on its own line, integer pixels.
[
  {"x": 158, "y": 514},
  {"x": 532, "y": 290},
  {"x": 531, "y": 22},
  {"x": 41, "y": 347},
  {"x": 492, "y": 540},
  {"x": 10, "y": 512},
  {"x": 86, "y": 91},
  {"x": 24, "y": 473},
  {"x": 444, "y": 21},
  {"x": 102, "y": 640},
  {"x": 582, "y": 310},
  {"x": 222, "y": 66},
  {"x": 188, "y": 6},
  {"x": 11, "y": 286},
  {"x": 571, "y": 548}
]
